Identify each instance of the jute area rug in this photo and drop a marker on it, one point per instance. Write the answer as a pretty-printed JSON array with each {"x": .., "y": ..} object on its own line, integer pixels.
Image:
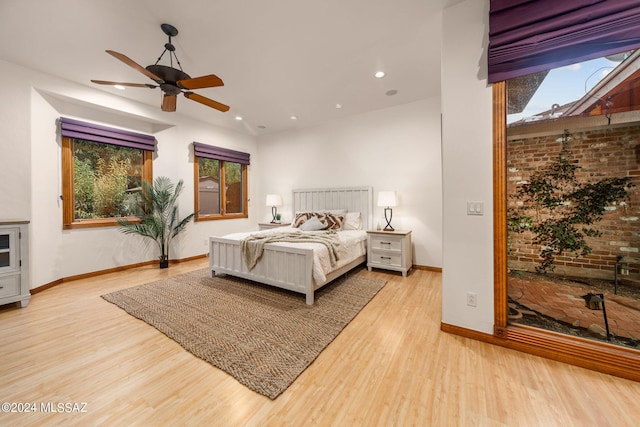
[{"x": 263, "y": 336}]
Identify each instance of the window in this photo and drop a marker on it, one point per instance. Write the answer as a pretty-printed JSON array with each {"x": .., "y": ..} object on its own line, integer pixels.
[
  {"x": 597, "y": 135},
  {"x": 101, "y": 173},
  {"x": 554, "y": 39},
  {"x": 221, "y": 183}
]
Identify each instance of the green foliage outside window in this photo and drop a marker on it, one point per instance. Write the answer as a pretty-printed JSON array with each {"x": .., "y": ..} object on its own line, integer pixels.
[
  {"x": 105, "y": 180},
  {"x": 560, "y": 211}
]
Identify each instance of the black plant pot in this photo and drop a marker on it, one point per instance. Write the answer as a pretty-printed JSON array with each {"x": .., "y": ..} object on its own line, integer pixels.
[{"x": 164, "y": 263}]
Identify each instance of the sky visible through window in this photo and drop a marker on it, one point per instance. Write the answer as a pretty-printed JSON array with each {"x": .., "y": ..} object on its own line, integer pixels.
[{"x": 565, "y": 84}]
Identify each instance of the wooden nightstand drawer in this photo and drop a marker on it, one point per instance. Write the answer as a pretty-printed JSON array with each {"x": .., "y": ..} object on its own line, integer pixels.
[
  {"x": 9, "y": 286},
  {"x": 392, "y": 243},
  {"x": 390, "y": 259}
]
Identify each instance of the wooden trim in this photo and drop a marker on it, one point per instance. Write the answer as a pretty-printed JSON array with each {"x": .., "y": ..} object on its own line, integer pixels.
[
  {"x": 196, "y": 188},
  {"x": 427, "y": 268},
  {"x": 599, "y": 356},
  {"x": 147, "y": 166},
  {"x": 46, "y": 286},
  {"x": 588, "y": 354},
  {"x": 109, "y": 270},
  {"x": 67, "y": 177},
  {"x": 500, "y": 207},
  {"x": 68, "y": 220}
]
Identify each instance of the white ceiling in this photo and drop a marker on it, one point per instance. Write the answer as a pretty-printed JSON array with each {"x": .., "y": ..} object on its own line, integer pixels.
[{"x": 277, "y": 58}]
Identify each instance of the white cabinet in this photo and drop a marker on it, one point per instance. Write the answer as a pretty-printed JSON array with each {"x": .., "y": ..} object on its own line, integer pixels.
[
  {"x": 14, "y": 262},
  {"x": 390, "y": 250}
]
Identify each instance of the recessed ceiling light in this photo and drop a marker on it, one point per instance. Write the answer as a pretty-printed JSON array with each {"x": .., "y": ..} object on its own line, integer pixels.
[
  {"x": 391, "y": 92},
  {"x": 294, "y": 117},
  {"x": 262, "y": 127},
  {"x": 379, "y": 74},
  {"x": 238, "y": 118},
  {"x": 119, "y": 87},
  {"x": 338, "y": 106}
]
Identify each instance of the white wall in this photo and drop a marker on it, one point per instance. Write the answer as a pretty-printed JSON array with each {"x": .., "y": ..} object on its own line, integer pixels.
[
  {"x": 467, "y": 167},
  {"x": 30, "y": 165},
  {"x": 15, "y": 149},
  {"x": 392, "y": 149}
]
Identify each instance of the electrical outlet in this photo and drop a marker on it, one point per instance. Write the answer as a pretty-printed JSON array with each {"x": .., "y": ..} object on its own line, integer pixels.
[{"x": 472, "y": 299}]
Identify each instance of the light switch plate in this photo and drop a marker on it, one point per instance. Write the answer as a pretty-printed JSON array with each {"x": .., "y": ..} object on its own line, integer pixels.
[{"x": 475, "y": 208}]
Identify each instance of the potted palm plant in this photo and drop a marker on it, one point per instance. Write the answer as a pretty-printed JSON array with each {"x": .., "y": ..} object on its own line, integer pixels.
[{"x": 159, "y": 221}]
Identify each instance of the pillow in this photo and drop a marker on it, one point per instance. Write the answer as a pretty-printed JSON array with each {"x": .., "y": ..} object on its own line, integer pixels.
[
  {"x": 334, "y": 222},
  {"x": 336, "y": 211},
  {"x": 352, "y": 221},
  {"x": 331, "y": 221},
  {"x": 313, "y": 224},
  {"x": 301, "y": 218}
]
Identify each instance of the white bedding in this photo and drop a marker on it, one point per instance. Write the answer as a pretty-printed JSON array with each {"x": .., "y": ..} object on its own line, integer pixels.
[{"x": 352, "y": 245}]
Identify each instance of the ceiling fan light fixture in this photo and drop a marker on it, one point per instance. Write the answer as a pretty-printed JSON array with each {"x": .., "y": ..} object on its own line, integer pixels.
[
  {"x": 171, "y": 81},
  {"x": 119, "y": 87}
]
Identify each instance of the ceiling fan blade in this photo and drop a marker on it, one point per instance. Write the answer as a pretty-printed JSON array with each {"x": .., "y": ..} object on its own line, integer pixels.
[
  {"x": 130, "y": 62},
  {"x": 169, "y": 102},
  {"x": 200, "y": 82},
  {"x": 206, "y": 101},
  {"x": 104, "y": 82}
]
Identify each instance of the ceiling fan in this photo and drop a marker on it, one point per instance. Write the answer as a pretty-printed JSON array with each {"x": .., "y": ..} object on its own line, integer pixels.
[{"x": 171, "y": 81}]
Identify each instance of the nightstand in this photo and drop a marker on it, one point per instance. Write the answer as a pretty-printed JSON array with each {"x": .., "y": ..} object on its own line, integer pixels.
[
  {"x": 269, "y": 225},
  {"x": 390, "y": 250}
]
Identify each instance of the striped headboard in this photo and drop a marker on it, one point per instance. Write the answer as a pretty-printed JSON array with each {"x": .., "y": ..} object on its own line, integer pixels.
[{"x": 353, "y": 199}]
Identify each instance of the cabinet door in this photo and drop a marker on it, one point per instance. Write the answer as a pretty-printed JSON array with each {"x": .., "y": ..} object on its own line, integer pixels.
[{"x": 9, "y": 253}]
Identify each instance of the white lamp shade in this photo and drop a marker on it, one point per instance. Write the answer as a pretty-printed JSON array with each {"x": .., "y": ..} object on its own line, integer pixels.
[
  {"x": 274, "y": 200},
  {"x": 387, "y": 199}
]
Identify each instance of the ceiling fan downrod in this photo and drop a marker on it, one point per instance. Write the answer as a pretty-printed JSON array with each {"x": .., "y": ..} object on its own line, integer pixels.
[{"x": 170, "y": 31}]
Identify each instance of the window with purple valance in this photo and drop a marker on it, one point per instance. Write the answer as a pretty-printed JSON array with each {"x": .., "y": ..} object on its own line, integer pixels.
[
  {"x": 217, "y": 153},
  {"x": 527, "y": 36},
  {"x": 92, "y": 132}
]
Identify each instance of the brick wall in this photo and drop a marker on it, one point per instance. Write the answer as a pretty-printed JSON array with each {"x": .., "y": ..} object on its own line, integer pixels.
[{"x": 608, "y": 152}]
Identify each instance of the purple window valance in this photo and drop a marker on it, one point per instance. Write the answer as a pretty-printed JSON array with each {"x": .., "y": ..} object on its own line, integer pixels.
[
  {"x": 92, "y": 132},
  {"x": 527, "y": 36},
  {"x": 217, "y": 153}
]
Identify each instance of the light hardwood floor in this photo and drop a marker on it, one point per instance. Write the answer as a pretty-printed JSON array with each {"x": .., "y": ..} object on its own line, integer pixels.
[{"x": 391, "y": 366}]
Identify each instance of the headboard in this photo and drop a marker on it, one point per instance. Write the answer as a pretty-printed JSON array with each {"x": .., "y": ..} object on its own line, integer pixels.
[{"x": 353, "y": 199}]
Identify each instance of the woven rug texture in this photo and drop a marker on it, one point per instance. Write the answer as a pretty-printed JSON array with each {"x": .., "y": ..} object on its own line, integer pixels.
[{"x": 263, "y": 336}]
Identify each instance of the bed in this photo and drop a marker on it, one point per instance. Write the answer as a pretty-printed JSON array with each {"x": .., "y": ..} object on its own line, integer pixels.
[{"x": 291, "y": 265}]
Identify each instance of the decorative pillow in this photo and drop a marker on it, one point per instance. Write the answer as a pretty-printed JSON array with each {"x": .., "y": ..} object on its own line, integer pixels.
[
  {"x": 301, "y": 218},
  {"x": 334, "y": 222},
  {"x": 313, "y": 224},
  {"x": 352, "y": 221},
  {"x": 331, "y": 221}
]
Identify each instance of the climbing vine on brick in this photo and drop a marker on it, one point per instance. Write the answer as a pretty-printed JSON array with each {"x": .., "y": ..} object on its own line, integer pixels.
[{"x": 564, "y": 208}]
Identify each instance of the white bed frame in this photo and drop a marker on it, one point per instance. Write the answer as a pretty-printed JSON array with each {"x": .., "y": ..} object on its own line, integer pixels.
[{"x": 288, "y": 267}]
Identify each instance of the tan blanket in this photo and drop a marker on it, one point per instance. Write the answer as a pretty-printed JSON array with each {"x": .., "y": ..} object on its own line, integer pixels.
[{"x": 253, "y": 245}]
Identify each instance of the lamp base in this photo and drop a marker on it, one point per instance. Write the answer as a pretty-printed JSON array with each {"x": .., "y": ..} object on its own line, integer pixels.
[{"x": 388, "y": 218}]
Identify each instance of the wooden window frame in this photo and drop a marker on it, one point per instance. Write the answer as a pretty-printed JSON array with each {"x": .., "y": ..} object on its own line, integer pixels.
[
  {"x": 68, "y": 202},
  {"x": 603, "y": 357},
  {"x": 222, "y": 214}
]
